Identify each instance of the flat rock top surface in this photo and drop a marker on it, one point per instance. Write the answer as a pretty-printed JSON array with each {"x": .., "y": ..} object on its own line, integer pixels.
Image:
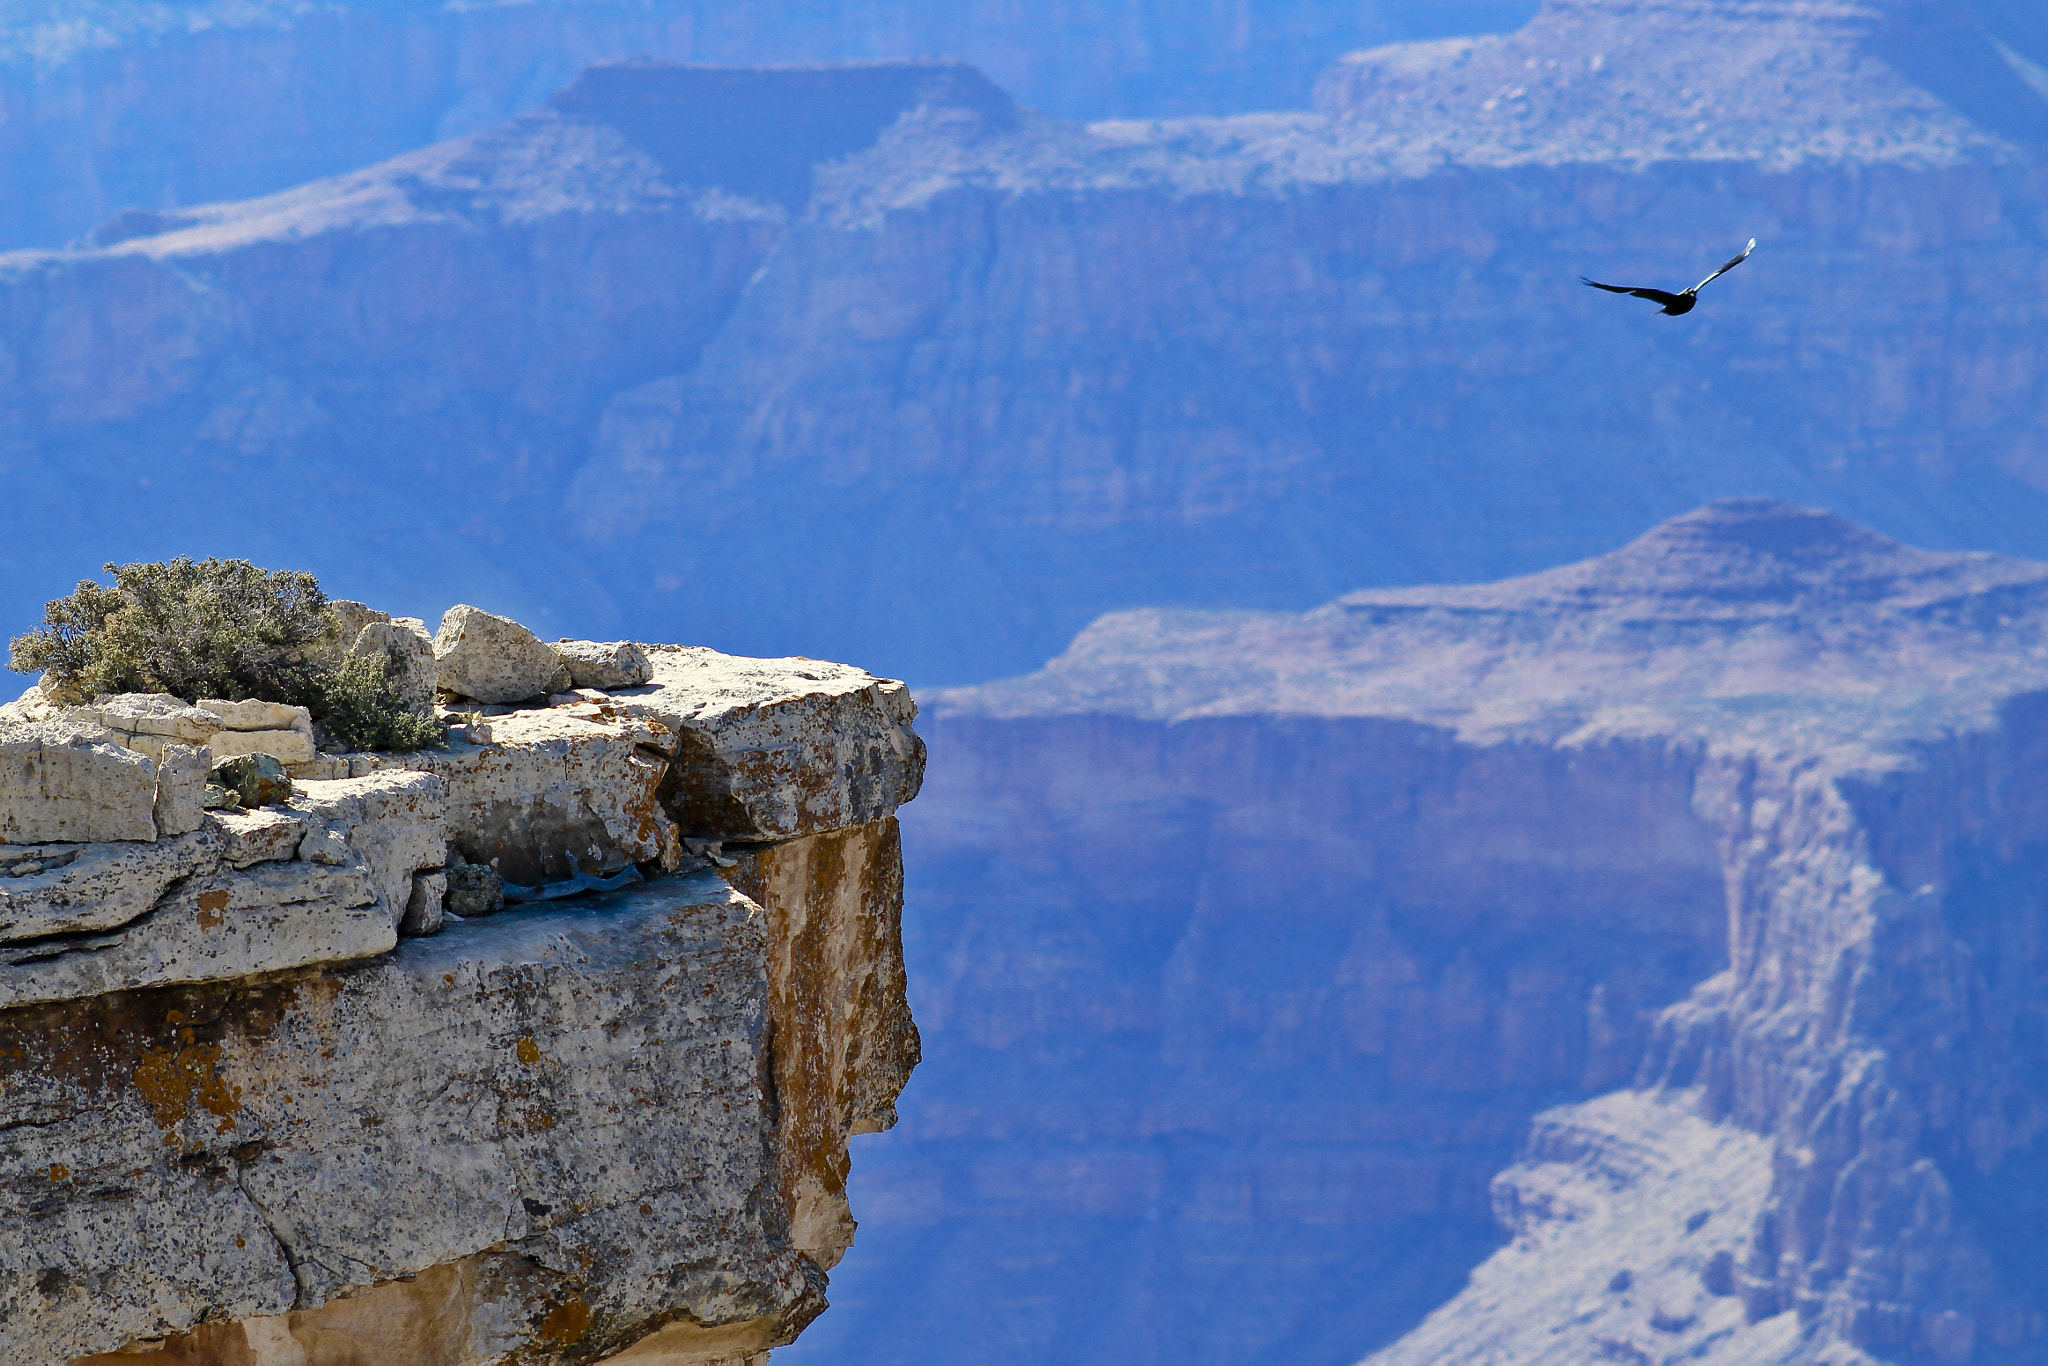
[
  {"x": 1746, "y": 616},
  {"x": 698, "y": 683}
]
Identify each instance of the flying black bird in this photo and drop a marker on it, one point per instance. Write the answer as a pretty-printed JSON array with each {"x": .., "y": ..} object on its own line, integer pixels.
[{"x": 1675, "y": 304}]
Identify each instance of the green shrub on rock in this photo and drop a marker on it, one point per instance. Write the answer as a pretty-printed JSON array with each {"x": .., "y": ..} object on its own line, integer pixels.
[
  {"x": 204, "y": 628},
  {"x": 225, "y": 629},
  {"x": 366, "y": 707}
]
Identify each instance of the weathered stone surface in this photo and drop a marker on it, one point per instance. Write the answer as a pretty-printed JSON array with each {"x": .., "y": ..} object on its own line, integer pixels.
[
  {"x": 396, "y": 820},
  {"x": 769, "y": 749},
  {"x": 146, "y": 713},
  {"x": 404, "y": 642},
  {"x": 556, "y": 793},
  {"x": 227, "y": 924},
  {"x": 493, "y": 658},
  {"x": 256, "y": 779},
  {"x": 32, "y": 705},
  {"x": 285, "y": 746},
  {"x": 604, "y": 664},
  {"x": 253, "y": 714},
  {"x": 562, "y": 1110},
  {"x": 181, "y": 773},
  {"x": 260, "y": 836},
  {"x": 89, "y": 887},
  {"x": 72, "y": 781},
  {"x": 425, "y": 913},
  {"x": 845, "y": 1041}
]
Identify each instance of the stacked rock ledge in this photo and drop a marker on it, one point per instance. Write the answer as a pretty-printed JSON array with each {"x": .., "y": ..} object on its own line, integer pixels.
[{"x": 267, "y": 1093}]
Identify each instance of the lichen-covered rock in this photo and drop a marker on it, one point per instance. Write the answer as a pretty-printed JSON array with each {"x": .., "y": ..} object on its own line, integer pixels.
[
  {"x": 395, "y": 820},
  {"x": 493, "y": 658},
  {"x": 604, "y": 664},
  {"x": 474, "y": 889},
  {"x": 226, "y": 924},
  {"x": 771, "y": 749},
  {"x": 255, "y": 779},
  {"x": 554, "y": 1118},
  {"x": 558, "y": 792},
  {"x": 72, "y": 781},
  {"x": 259, "y": 836},
  {"x": 405, "y": 643}
]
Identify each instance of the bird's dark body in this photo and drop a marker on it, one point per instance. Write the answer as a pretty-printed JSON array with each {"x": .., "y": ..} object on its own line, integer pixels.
[{"x": 1675, "y": 304}]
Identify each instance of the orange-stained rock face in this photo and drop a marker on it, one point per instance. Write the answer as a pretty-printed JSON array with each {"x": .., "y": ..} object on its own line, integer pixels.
[{"x": 845, "y": 1042}]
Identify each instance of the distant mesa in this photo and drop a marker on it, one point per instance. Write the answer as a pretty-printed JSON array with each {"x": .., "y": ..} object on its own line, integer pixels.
[
  {"x": 1658, "y": 80},
  {"x": 1684, "y": 630}
]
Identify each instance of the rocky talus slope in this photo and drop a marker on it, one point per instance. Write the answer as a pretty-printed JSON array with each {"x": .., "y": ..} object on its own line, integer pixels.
[
  {"x": 280, "y": 1086},
  {"x": 1644, "y": 960},
  {"x": 1254, "y": 361}
]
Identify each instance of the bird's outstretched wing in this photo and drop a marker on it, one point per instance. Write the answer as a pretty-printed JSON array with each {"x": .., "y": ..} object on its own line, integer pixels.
[
  {"x": 1725, "y": 269},
  {"x": 1661, "y": 296}
]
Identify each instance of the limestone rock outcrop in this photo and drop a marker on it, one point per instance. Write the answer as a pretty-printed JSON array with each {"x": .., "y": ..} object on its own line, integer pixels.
[
  {"x": 261, "y": 1092},
  {"x": 72, "y": 781},
  {"x": 754, "y": 740}
]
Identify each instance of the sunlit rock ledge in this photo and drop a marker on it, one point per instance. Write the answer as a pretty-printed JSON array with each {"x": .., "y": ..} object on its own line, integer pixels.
[{"x": 265, "y": 1097}]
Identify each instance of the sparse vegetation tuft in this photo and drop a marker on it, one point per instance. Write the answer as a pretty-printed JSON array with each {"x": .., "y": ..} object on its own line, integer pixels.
[{"x": 219, "y": 628}]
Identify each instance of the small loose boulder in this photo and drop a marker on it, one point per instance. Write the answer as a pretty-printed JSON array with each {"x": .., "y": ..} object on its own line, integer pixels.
[
  {"x": 605, "y": 664},
  {"x": 494, "y": 659},
  {"x": 474, "y": 889},
  {"x": 254, "y": 779}
]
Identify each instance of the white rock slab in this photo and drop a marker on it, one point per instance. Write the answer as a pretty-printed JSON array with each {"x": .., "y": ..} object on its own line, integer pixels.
[
  {"x": 72, "y": 781},
  {"x": 285, "y": 746},
  {"x": 558, "y": 792},
  {"x": 605, "y": 664},
  {"x": 94, "y": 887},
  {"x": 231, "y": 923},
  {"x": 396, "y": 820}
]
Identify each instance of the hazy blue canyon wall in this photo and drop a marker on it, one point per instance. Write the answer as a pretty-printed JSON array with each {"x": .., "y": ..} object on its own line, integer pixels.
[
  {"x": 1238, "y": 363},
  {"x": 109, "y": 104}
]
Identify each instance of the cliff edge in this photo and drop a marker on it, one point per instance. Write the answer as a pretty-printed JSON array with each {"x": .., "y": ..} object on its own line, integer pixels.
[{"x": 282, "y": 1084}]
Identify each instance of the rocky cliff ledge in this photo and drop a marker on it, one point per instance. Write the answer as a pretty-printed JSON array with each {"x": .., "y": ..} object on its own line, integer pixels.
[{"x": 267, "y": 1094}]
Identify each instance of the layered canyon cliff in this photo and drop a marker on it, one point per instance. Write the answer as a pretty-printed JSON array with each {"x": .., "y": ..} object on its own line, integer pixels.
[
  {"x": 276, "y": 1090},
  {"x": 1248, "y": 361},
  {"x": 1637, "y": 961}
]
